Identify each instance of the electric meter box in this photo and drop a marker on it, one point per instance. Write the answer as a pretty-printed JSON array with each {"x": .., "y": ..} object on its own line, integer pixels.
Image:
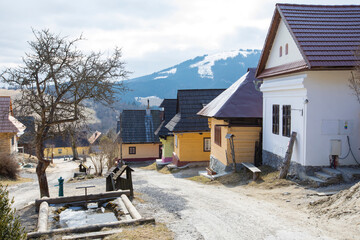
[{"x": 335, "y": 147}]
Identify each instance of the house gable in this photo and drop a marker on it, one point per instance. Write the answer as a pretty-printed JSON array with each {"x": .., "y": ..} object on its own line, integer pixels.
[{"x": 283, "y": 37}]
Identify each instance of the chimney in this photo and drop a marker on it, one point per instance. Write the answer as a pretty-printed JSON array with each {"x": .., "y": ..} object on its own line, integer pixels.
[{"x": 148, "y": 108}]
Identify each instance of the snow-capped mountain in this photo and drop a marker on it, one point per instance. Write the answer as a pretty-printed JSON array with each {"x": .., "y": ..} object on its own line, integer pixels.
[{"x": 209, "y": 71}]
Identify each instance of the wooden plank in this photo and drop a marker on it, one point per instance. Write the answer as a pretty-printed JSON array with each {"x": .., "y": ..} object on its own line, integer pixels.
[
  {"x": 90, "y": 228},
  {"x": 286, "y": 165},
  {"x": 82, "y": 198},
  {"x": 251, "y": 167},
  {"x": 92, "y": 235}
]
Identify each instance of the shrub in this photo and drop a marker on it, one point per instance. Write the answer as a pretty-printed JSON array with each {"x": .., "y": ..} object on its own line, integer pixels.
[
  {"x": 9, "y": 168},
  {"x": 10, "y": 227}
]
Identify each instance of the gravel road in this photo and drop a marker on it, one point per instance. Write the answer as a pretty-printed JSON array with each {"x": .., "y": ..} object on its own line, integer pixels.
[{"x": 196, "y": 211}]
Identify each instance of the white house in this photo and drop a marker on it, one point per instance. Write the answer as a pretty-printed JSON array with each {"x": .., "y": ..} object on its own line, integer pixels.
[{"x": 305, "y": 65}]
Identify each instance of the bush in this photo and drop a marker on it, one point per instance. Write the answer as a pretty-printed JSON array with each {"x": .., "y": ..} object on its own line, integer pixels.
[
  {"x": 9, "y": 168},
  {"x": 10, "y": 227}
]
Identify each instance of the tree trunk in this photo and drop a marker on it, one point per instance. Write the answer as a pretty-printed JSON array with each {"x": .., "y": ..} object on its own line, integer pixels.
[
  {"x": 41, "y": 168},
  {"x": 73, "y": 148}
]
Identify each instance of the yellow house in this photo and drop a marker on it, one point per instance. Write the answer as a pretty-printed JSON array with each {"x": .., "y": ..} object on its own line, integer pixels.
[
  {"x": 60, "y": 146},
  {"x": 136, "y": 137},
  {"x": 166, "y": 137},
  {"x": 235, "y": 119},
  {"x": 10, "y": 127},
  {"x": 191, "y": 131}
]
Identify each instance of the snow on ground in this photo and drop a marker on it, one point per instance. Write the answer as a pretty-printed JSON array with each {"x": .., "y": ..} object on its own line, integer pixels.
[{"x": 204, "y": 66}]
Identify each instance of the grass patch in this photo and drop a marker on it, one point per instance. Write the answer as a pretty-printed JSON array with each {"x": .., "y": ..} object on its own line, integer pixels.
[
  {"x": 83, "y": 178},
  {"x": 137, "y": 196},
  {"x": 200, "y": 179},
  {"x": 158, "y": 231},
  {"x": 152, "y": 166},
  {"x": 269, "y": 179},
  {"x": 7, "y": 181}
]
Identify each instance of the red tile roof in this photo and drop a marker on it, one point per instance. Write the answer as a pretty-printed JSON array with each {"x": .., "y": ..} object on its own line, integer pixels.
[{"x": 327, "y": 36}]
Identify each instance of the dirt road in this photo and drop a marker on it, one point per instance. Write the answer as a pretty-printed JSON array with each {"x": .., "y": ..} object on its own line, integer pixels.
[{"x": 196, "y": 211}]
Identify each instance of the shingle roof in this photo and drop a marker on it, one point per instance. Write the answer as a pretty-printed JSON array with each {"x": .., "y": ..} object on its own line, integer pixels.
[
  {"x": 240, "y": 100},
  {"x": 327, "y": 36},
  {"x": 8, "y": 124},
  {"x": 169, "y": 106},
  {"x": 137, "y": 127},
  {"x": 189, "y": 103},
  {"x": 65, "y": 141}
]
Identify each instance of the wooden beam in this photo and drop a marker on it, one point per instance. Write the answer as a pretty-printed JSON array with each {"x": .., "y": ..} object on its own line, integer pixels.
[{"x": 286, "y": 164}]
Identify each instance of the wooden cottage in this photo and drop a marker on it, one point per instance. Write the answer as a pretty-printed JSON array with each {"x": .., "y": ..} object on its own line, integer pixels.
[
  {"x": 60, "y": 146},
  {"x": 306, "y": 63},
  {"x": 191, "y": 131},
  {"x": 10, "y": 127},
  {"x": 136, "y": 138},
  {"x": 166, "y": 137},
  {"x": 235, "y": 115}
]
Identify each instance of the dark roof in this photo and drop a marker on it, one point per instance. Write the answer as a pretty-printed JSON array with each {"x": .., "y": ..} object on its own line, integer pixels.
[
  {"x": 189, "y": 103},
  {"x": 327, "y": 36},
  {"x": 65, "y": 141},
  {"x": 169, "y": 106},
  {"x": 240, "y": 100},
  {"x": 137, "y": 127}
]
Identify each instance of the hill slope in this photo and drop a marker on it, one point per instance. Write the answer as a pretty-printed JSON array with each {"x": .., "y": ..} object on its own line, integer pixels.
[{"x": 209, "y": 71}]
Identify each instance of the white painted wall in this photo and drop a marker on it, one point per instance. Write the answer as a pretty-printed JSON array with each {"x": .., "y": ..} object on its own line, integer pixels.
[
  {"x": 282, "y": 37},
  {"x": 285, "y": 91},
  {"x": 331, "y": 103}
]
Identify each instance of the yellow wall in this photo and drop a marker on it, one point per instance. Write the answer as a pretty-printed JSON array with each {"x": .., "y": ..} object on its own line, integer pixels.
[
  {"x": 143, "y": 150},
  {"x": 190, "y": 147},
  {"x": 65, "y": 151},
  {"x": 244, "y": 142},
  {"x": 5, "y": 142}
]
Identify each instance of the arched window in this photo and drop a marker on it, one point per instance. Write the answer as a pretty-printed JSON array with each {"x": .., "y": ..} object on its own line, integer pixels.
[
  {"x": 280, "y": 51},
  {"x": 286, "y": 49}
]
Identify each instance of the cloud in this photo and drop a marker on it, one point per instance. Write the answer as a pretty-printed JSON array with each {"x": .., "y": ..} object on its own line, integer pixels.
[{"x": 152, "y": 34}]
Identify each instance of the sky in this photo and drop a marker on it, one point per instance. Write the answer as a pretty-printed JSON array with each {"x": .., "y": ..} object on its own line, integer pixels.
[{"x": 153, "y": 34}]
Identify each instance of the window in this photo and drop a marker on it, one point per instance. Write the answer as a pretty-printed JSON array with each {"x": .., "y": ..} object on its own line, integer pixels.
[
  {"x": 132, "y": 150},
  {"x": 176, "y": 141},
  {"x": 280, "y": 51},
  {"x": 207, "y": 145},
  {"x": 59, "y": 150},
  {"x": 217, "y": 135},
  {"x": 286, "y": 120},
  {"x": 286, "y": 49},
  {"x": 275, "y": 119},
  {"x": 13, "y": 141}
]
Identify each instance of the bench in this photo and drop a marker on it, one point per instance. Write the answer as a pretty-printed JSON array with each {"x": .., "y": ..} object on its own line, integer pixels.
[{"x": 256, "y": 172}]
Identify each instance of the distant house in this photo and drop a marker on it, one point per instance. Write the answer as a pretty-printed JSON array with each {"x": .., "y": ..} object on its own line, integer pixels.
[
  {"x": 60, "y": 146},
  {"x": 166, "y": 137},
  {"x": 10, "y": 127},
  {"x": 137, "y": 141},
  {"x": 26, "y": 140},
  {"x": 236, "y": 111},
  {"x": 191, "y": 131},
  {"x": 94, "y": 141},
  {"x": 305, "y": 64}
]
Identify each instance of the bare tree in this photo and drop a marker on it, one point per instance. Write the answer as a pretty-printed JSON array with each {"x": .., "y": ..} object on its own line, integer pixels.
[
  {"x": 354, "y": 81},
  {"x": 55, "y": 79}
]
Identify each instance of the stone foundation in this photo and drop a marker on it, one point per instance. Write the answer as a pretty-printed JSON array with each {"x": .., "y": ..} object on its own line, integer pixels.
[
  {"x": 219, "y": 167},
  {"x": 295, "y": 169}
]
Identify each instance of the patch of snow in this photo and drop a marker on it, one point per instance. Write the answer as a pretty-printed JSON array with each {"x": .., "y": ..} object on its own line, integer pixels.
[
  {"x": 153, "y": 100},
  {"x": 160, "y": 77},
  {"x": 204, "y": 66},
  {"x": 171, "y": 71}
]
